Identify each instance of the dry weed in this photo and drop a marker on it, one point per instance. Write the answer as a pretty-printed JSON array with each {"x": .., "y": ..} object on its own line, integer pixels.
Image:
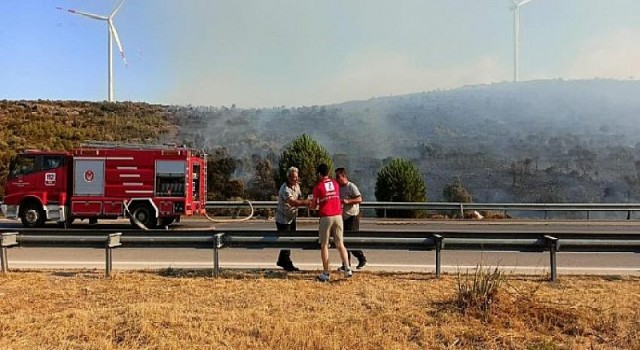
[
  {"x": 478, "y": 291},
  {"x": 258, "y": 309}
]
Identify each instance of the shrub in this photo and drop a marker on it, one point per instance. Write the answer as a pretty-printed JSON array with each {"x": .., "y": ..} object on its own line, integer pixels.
[
  {"x": 455, "y": 192},
  {"x": 400, "y": 181}
]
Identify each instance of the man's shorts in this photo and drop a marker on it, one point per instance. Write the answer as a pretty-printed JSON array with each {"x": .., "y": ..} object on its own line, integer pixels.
[{"x": 331, "y": 225}]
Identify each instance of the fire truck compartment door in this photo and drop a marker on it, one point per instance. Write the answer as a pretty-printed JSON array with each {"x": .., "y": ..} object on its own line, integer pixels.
[{"x": 88, "y": 177}]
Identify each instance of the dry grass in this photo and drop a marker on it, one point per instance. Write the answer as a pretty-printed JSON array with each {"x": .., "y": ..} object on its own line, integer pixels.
[
  {"x": 177, "y": 309},
  {"x": 477, "y": 292}
]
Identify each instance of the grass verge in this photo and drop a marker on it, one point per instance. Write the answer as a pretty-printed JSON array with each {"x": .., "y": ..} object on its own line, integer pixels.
[{"x": 264, "y": 309}]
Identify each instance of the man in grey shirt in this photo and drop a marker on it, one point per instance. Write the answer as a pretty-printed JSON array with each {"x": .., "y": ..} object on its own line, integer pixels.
[
  {"x": 289, "y": 199},
  {"x": 351, "y": 198}
]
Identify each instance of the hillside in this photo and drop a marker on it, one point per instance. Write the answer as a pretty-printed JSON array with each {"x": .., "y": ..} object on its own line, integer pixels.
[
  {"x": 539, "y": 141},
  {"x": 62, "y": 125}
]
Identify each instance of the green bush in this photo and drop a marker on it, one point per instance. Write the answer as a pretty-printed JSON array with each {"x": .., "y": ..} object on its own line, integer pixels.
[{"x": 400, "y": 181}]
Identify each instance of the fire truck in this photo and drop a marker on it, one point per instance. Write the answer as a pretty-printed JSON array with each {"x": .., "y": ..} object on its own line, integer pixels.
[{"x": 152, "y": 185}]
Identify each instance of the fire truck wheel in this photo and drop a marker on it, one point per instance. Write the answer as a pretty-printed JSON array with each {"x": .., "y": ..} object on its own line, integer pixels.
[
  {"x": 143, "y": 214},
  {"x": 32, "y": 215}
]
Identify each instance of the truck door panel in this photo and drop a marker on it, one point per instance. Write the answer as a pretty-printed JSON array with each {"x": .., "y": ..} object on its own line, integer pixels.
[{"x": 88, "y": 176}]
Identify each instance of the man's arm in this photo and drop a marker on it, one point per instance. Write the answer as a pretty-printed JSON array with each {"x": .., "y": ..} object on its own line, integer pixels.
[
  {"x": 297, "y": 202},
  {"x": 313, "y": 203},
  {"x": 357, "y": 197},
  {"x": 354, "y": 200}
]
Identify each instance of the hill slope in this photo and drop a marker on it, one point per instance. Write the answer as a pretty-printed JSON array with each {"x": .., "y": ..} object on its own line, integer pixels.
[
  {"x": 62, "y": 125},
  {"x": 540, "y": 141},
  {"x": 573, "y": 141}
]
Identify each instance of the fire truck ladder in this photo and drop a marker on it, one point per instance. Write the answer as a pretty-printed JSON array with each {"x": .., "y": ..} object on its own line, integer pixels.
[{"x": 118, "y": 145}]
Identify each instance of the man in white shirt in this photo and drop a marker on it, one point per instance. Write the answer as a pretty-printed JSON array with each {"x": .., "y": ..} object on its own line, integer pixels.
[
  {"x": 289, "y": 199},
  {"x": 351, "y": 198}
]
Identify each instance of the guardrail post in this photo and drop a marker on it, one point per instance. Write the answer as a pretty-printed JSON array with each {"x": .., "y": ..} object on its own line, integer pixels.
[
  {"x": 217, "y": 244},
  {"x": 553, "y": 244},
  {"x": 113, "y": 240},
  {"x": 588, "y": 214},
  {"x": 461, "y": 211},
  {"x": 7, "y": 239},
  {"x": 439, "y": 242},
  {"x": 629, "y": 215}
]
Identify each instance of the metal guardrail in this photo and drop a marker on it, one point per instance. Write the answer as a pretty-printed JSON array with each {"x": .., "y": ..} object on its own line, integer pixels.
[
  {"x": 406, "y": 240},
  {"x": 460, "y": 207}
]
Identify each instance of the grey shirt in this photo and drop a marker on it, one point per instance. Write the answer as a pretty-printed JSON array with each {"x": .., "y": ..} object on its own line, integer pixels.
[
  {"x": 349, "y": 191},
  {"x": 285, "y": 213}
]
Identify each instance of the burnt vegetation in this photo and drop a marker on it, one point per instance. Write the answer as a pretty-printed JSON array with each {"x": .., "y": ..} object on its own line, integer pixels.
[{"x": 542, "y": 141}]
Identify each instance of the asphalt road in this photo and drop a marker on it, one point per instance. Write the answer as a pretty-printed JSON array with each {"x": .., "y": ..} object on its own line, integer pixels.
[{"x": 378, "y": 260}]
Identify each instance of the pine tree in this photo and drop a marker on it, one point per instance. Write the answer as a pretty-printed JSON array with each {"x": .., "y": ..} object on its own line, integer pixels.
[
  {"x": 305, "y": 154},
  {"x": 400, "y": 181}
]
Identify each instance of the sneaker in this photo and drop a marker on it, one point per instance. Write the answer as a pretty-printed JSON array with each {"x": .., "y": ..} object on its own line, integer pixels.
[
  {"x": 361, "y": 264},
  {"x": 341, "y": 269},
  {"x": 323, "y": 277},
  {"x": 347, "y": 272}
]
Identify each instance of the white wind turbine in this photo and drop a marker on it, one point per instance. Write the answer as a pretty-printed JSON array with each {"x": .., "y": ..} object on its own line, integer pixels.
[
  {"x": 111, "y": 34},
  {"x": 516, "y": 34}
]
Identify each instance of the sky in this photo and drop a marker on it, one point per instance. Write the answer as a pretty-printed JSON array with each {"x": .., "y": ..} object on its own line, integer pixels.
[{"x": 271, "y": 53}]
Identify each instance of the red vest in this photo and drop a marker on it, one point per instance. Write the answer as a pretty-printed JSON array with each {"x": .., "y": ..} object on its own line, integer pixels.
[{"x": 327, "y": 192}]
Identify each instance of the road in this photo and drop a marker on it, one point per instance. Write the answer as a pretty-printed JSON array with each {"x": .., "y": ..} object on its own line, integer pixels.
[{"x": 379, "y": 260}]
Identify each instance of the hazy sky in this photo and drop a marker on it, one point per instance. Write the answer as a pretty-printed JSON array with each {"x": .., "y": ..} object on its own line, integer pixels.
[{"x": 298, "y": 52}]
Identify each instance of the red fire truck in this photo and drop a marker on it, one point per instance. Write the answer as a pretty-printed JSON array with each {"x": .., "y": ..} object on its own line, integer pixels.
[{"x": 152, "y": 185}]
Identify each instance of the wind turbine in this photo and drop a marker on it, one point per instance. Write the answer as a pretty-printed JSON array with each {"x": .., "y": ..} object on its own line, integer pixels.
[
  {"x": 112, "y": 33},
  {"x": 516, "y": 34}
]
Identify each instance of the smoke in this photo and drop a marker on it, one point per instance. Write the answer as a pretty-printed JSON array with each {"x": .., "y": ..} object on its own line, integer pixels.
[
  {"x": 374, "y": 74},
  {"x": 611, "y": 55}
]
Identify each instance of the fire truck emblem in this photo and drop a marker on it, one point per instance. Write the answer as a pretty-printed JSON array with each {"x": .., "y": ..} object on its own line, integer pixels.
[
  {"x": 88, "y": 175},
  {"x": 50, "y": 179}
]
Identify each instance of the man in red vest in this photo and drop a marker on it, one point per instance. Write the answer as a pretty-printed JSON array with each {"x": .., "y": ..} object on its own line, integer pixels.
[{"x": 326, "y": 197}]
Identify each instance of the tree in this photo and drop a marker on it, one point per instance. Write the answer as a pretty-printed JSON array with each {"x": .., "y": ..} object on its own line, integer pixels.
[
  {"x": 220, "y": 167},
  {"x": 305, "y": 154},
  {"x": 455, "y": 192},
  {"x": 400, "y": 181},
  {"x": 262, "y": 186}
]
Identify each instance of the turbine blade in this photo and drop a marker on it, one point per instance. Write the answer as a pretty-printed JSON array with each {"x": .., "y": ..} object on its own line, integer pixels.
[
  {"x": 114, "y": 32},
  {"x": 524, "y": 2},
  {"x": 90, "y": 15},
  {"x": 116, "y": 9}
]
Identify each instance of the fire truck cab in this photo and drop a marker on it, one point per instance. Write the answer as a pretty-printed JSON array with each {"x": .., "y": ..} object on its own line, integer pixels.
[{"x": 151, "y": 185}]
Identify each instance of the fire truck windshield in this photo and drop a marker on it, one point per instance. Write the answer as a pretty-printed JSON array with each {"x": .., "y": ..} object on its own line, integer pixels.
[{"x": 22, "y": 165}]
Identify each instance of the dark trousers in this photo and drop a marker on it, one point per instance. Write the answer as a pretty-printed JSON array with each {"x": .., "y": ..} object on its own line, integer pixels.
[
  {"x": 284, "y": 258},
  {"x": 352, "y": 224}
]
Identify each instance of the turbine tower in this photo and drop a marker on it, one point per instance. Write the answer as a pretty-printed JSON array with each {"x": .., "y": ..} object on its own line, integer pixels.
[
  {"x": 112, "y": 33},
  {"x": 516, "y": 34}
]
